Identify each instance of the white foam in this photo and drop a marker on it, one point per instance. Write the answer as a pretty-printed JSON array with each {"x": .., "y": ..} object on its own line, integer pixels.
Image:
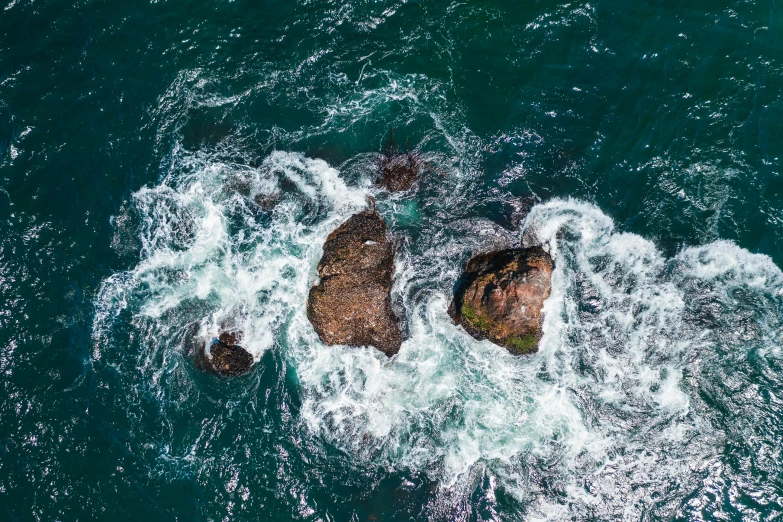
[
  {"x": 253, "y": 277},
  {"x": 602, "y": 409}
]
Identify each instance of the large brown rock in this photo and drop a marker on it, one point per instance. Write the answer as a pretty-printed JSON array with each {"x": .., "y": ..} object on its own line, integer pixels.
[
  {"x": 500, "y": 296},
  {"x": 351, "y": 305}
]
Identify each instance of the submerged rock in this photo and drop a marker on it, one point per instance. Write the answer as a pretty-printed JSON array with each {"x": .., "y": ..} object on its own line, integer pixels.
[
  {"x": 500, "y": 297},
  {"x": 351, "y": 305},
  {"x": 225, "y": 356},
  {"x": 397, "y": 171},
  {"x": 267, "y": 202}
]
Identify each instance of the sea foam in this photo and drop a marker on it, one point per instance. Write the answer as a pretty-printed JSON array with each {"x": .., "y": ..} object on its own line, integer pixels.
[{"x": 601, "y": 422}]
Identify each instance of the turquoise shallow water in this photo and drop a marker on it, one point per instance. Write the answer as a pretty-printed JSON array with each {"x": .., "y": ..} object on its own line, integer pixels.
[{"x": 640, "y": 142}]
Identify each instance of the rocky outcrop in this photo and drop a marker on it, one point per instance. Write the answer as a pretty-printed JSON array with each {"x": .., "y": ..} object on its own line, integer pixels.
[
  {"x": 500, "y": 296},
  {"x": 225, "y": 356},
  {"x": 351, "y": 305}
]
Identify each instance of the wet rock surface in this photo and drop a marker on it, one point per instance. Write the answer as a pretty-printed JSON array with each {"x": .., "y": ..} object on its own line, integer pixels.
[
  {"x": 225, "y": 356},
  {"x": 267, "y": 202},
  {"x": 500, "y": 295},
  {"x": 351, "y": 305},
  {"x": 397, "y": 170}
]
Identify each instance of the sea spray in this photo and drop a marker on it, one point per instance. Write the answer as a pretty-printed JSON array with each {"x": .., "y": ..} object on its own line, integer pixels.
[
  {"x": 605, "y": 421},
  {"x": 214, "y": 255}
]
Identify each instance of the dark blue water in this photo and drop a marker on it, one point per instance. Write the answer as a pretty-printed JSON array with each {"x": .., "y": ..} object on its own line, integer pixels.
[{"x": 640, "y": 142}]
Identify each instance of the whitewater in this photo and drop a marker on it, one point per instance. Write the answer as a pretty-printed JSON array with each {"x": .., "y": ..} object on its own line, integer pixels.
[{"x": 616, "y": 416}]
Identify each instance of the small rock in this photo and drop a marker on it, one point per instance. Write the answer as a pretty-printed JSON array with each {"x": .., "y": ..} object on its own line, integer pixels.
[
  {"x": 267, "y": 202},
  {"x": 500, "y": 297},
  {"x": 230, "y": 360},
  {"x": 225, "y": 357},
  {"x": 397, "y": 171},
  {"x": 229, "y": 338}
]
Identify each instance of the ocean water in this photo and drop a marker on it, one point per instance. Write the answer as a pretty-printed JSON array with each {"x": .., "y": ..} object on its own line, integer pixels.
[{"x": 639, "y": 142}]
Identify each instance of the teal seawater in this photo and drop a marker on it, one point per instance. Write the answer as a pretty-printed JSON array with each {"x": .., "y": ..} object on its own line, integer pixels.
[{"x": 646, "y": 137}]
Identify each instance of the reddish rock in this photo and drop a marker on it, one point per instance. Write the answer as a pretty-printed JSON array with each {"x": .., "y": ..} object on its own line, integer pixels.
[
  {"x": 500, "y": 297},
  {"x": 351, "y": 305},
  {"x": 397, "y": 172}
]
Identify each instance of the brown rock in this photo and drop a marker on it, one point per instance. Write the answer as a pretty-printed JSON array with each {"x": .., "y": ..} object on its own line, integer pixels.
[
  {"x": 230, "y": 360},
  {"x": 229, "y": 338},
  {"x": 351, "y": 305},
  {"x": 500, "y": 297},
  {"x": 225, "y": 356},
  {"x": 397, "y": 171},
  {"x": 267, "y": 202}
]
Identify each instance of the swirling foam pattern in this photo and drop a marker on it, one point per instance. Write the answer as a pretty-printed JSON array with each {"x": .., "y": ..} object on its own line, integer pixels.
[
  {"x": 166, "y": 167},
  {"x": 612, "y": 418}
]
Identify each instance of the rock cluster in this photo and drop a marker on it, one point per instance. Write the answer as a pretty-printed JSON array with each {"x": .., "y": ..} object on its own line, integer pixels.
[
  {"x": 351, "y": 304},
  {"x": 500, "y": 296}
]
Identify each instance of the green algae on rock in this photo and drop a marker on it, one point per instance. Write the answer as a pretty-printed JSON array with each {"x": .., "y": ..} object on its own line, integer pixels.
[{"x": 500, "y": 296}]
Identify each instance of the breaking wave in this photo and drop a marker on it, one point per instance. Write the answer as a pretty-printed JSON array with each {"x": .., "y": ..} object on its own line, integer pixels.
[{"x": 614, "y": 417}]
